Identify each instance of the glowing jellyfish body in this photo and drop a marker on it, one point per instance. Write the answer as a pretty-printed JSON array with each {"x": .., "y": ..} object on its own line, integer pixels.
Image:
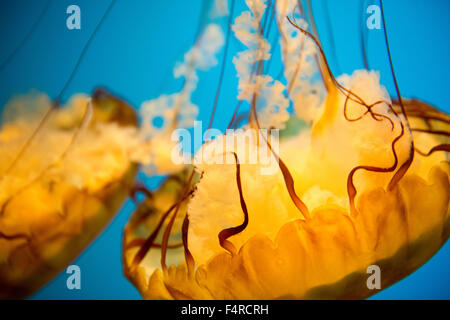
[
  {"x": 363, "y": 182},
  {"x": 66, "y": 185},
  {"x": 282, "y": 255}
]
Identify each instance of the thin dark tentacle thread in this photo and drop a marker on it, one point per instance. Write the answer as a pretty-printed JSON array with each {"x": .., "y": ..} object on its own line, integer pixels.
[
  {"x": 27, "y": 36},
  {"x": 222, "y": 70},
  {"x": 404, "y": 167},
  {"x": 56, "y": 102}
]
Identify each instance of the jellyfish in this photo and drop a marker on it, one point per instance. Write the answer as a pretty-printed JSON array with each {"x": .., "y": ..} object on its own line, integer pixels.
[
  {"x": 361, "y": 179},
  {"x": 65, "y": 171}
]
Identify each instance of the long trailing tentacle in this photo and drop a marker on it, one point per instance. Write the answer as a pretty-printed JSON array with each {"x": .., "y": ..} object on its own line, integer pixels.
[
  {"x": 55, "y": 104},
  {"x": 27, "y": 36},
  {"x": 145, "y": 247},
  {"x": 190, "y": 262},
  {"x": 287, "y": 176},
  {"x": 351, "y": 190},
  {"x": 327, "y": 74},
  {"x": 229, "y": 232},
  {"x": 222, "y": 70},
  {"x": 316, "y": 35},
  {"x": 363, "y": 36},
  {"x": 87, "y": 116},
  {"x": 354, "y": 97},
  {"x": 166, "y": 235},
  {"x": 441, "y": 147},
  {"x": 376, "y": 116},
  {"x": 330, "y": 33},
  {"x": 405, "y": 165}
]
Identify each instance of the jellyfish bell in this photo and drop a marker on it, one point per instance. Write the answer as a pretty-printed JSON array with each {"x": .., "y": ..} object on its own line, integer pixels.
[
  {"x": 362, "y": 181},
  {"x": 65, "y": 186},
  {"x": 282, "y": 254}
]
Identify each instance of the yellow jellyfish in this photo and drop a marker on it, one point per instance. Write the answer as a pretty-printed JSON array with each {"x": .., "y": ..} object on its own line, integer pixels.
[
  {"x": 363, "y": 181},
  {"x": 59, "y": 188}
]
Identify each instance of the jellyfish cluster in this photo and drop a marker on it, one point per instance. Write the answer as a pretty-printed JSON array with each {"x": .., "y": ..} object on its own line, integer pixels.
[{"x": 359, "y": 178}]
